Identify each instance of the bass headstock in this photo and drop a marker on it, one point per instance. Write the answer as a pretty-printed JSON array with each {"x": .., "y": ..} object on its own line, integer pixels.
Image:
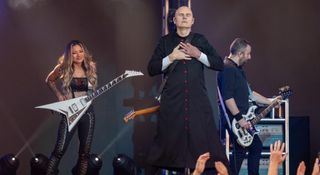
[
  {"x": 285, "y": 92},
  {"x": 131, "y": 115}
]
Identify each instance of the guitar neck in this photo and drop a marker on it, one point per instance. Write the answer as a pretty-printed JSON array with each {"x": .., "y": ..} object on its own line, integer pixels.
[
  {"x": 147, "y": 110},
  {"x": 106, "y": 87},
  {"x": 134, "y": 114},
  {"x": 264, "y": 112}
]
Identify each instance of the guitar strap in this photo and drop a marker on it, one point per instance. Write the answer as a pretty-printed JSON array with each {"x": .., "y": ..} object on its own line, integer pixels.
[
  {"x": 251, "y": 96},
  {"x": 73, "y": 96},
  {"x": 171, "y": 68},
  {"x": 223, "y": 107}
]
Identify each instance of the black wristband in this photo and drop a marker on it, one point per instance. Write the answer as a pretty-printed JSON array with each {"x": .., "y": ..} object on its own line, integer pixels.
[{"x": 238, "y": 116}]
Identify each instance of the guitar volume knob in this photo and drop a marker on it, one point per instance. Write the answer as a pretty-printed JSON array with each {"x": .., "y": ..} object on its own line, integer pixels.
[{"x": 237, "y": 125}]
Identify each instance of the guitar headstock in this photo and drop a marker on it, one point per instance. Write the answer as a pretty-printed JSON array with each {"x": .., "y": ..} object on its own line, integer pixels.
[
  {"x": 132, "y": 73},
  {"x": 285, "y": 92},
  {"x": 131, "y": 115}
]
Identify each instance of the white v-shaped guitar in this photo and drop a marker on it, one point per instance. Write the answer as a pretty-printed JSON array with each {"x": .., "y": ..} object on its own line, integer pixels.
[{"x": 74, "y": 108}]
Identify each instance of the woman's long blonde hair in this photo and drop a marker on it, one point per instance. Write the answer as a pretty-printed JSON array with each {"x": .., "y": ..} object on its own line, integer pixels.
[{"x": 67, "y": 70}]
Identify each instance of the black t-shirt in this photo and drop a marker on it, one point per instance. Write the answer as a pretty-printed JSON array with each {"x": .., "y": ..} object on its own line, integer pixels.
[{"x": 233, "y": 84}]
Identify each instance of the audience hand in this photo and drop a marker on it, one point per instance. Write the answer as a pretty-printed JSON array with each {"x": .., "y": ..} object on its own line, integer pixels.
[
  {"x": 221, "y": 169},
  {"x": 316, "y": 168},
  {"x": 301, "y": 168},
  {"x": 201, "y": 163},
  {"x": 276, "y": 151},
  {"x": 276, "y": 157}
]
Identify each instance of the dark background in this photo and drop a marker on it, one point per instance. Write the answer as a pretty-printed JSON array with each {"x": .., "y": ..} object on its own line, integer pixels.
[{"x": 122, "y": 34}]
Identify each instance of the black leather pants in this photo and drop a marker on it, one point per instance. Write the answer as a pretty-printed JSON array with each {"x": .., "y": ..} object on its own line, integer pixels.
[{"x": 85, "y": 132}]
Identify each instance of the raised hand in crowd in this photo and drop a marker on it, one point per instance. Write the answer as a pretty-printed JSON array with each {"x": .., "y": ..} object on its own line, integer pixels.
[
  {"x": 276, "y": 157},
  {"x": 201, "y": 163},
  {"x": 316, "y": 167},
  {"x": 301, "y": 168},
  {"x": 221, "y": 168}
]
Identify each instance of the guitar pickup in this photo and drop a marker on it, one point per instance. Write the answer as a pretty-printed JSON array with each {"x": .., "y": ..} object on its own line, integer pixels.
[
  {"x": 83, "y": 101},
  {"x": 237, "y": 125},
  {"x": 71, "y": 109},
  {"x": 74, "y": 107}
]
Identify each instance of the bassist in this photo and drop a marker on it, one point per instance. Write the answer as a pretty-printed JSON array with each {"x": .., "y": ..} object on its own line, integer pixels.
[{"x": 236, "y": 94}]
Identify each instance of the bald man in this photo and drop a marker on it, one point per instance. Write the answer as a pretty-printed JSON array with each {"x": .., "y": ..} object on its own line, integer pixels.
[{"x": 186, "y": 127}]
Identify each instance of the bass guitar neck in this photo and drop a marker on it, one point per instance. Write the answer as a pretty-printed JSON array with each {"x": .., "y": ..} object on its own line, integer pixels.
[{"x": 132, "y": 114}]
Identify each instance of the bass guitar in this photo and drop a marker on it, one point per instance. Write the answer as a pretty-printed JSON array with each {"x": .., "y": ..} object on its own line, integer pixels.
[
  {"x": 74, "y": 109},
  {"x": 245, "y": 136}
]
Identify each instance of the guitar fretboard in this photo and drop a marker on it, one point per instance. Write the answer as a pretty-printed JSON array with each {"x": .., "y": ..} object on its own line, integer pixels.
[
  {"x": 106, "y": 87},
  {"x": 264, "y": 112}
]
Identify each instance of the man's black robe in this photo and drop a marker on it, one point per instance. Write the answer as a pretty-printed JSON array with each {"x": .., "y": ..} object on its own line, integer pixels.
[{"x": 186, "y": 127}]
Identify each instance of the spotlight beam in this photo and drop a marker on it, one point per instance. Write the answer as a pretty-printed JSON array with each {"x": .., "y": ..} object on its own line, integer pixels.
[
  {"x": 15, "y": 128},
  {"x": 32, "y": 138},
  {"x": 114, "y": 140}
]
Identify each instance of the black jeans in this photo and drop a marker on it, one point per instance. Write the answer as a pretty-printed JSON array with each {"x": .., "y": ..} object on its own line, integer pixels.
[
  {"x": 254, "y": 155},
  {"x": 85, "y": 132}
]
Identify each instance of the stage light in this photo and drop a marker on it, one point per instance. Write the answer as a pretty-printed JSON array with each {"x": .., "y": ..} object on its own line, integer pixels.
[
  {"x": 9, "y": 164},
  {"x": 124, "y": 165},
  {"x": 94, "y": 165},
  {"x": 39, "y": 164}
]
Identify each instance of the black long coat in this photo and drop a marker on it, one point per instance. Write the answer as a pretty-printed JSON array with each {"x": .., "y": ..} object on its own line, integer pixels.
[{"x": 186, "y": 127}]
